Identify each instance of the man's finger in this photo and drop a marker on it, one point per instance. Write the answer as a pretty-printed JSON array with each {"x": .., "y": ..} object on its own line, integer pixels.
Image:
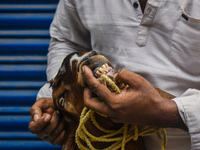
[
  {"x": 99, "y": 89},
  {"x": 36, "y": 126},
  {"x": 59, "y": 140},
  {"x": 56, "y": 137},
  {"x": 94, "y": 103},
  {"x": 35, "y": 117},
  {"x": 50, "y": 127},
  {"x": 129, "y": 78},
  {"x": 35, "y": 112}
]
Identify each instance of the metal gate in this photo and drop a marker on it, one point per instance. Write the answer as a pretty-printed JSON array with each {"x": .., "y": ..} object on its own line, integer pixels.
[{"x": 24, "y": 40}]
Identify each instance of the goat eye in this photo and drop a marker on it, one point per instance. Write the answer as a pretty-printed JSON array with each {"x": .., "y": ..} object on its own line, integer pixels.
[{"x": 61, "y": 102}]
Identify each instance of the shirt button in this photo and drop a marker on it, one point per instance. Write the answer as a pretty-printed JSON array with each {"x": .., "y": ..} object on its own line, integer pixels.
[{"x": 135, "y": 5}]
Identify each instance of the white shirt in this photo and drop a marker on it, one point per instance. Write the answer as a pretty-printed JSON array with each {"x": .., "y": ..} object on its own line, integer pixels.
[{"x": 162, "y": 45}]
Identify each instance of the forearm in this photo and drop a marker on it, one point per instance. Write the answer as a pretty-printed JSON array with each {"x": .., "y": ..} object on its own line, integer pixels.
[
  {"x": 168, "y": 115},
  {"x": 166, "y": 112},
  {"x": 181, "y": 112}
]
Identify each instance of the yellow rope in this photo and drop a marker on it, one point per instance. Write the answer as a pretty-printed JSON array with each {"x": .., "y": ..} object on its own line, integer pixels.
[{"x": 119, "y": 137}]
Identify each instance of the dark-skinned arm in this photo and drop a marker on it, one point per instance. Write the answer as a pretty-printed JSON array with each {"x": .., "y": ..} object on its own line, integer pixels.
[{"x": 140, "y": 104}]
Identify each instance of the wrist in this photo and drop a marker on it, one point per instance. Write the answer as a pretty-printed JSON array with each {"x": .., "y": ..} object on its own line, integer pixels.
[{"x": 168, "y": 115}]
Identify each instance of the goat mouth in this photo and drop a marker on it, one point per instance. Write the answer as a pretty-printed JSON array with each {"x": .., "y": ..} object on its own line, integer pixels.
[
  {"x": 103, "y": 69},
  {"x": 97, "y": 63},
  {"x": 86, "y": 57}
]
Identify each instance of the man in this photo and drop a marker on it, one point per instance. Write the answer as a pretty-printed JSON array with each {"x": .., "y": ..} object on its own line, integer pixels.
[{"x": 157, "y": 40}]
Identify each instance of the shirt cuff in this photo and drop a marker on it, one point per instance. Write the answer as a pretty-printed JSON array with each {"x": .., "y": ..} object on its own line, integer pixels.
[
  {"x": 189, "y": 109},
  {"x": 45, "y": 91}
]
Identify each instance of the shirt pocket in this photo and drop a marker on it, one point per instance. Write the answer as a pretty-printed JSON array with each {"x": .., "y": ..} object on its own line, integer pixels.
[{"x": 185, "y": 45}]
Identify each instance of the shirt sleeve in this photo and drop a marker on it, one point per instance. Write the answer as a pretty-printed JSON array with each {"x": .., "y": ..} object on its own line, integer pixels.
[
  {"x": 189, "y": 109},
  {"x": 68, "y": 35}
]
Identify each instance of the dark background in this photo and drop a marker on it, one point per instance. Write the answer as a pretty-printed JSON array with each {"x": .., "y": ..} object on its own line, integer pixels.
[{"x": 24, "y": 41}]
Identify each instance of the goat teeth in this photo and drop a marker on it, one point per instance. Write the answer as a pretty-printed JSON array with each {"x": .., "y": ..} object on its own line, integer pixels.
[
  {"x": 97, "y": 73},
  {"x": 101, "y": 70},
  {"x": 106, "y": 65}
]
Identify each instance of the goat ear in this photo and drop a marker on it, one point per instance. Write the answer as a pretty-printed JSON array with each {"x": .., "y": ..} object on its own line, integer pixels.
[
  {"x": 67, "y": 87},
  {"x": 51, "y": 82},
  {"x": 54, "y": 82}
]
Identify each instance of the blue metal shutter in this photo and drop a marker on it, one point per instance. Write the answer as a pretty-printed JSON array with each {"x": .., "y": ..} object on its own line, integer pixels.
[{"x": 24, "y": 40}]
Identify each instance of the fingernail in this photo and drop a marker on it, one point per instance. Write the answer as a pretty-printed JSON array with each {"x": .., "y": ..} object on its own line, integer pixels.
[
  {"x": 83, "y": 68},
  {"x": 36, "y": 117},
  {"x": 58, "y": 113},
  {"x": 47, "y": 118},
  {"x": 115, "y": 75}
]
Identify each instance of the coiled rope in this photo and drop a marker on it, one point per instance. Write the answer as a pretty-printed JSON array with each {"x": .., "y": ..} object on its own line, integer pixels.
[{"x": 118, "y": 137}]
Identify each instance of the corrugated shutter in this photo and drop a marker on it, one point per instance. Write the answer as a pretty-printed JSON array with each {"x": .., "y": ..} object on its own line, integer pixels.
[{"x": 24, "y": 40}]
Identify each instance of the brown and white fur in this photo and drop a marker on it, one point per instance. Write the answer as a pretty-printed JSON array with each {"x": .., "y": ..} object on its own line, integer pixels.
[{"x": 68, "y": 87}]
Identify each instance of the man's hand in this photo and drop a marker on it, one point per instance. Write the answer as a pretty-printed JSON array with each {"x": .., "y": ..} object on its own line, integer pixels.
[
  {"x": 47, "y": 123},
  {"x": 140, "y": 104}
]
